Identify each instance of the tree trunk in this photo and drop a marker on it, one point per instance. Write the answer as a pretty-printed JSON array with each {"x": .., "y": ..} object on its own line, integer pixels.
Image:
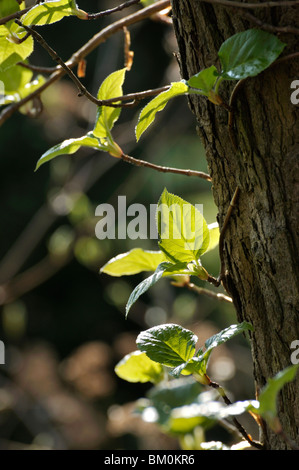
[{"x": 262, "y": 239}]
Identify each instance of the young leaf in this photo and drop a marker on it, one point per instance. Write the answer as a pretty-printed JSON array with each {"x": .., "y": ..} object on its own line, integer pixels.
[
  {"x": 69, "y": 147},
  {"x": 11, "y": 52},
  {"x": 107, "y": 116},
  {"x": 138, "y": 367},
  {"x": 248, "y": 53},
  {"x": 215, "y": 340},
  {"x": 145, "y": 285},
  {"x": 133, "y": 262},
  {"x": 203, "y": 81},
  {"x": 214, "y": 236},
  {"x": 182, "y": 229},
  {"x": 15, "y": 78},
  {"x": 169, "y": 344},
  {"x": 50, "y": 12},
  {"x": 148, "y": 113},
  {"x": 268, "y": 397}
]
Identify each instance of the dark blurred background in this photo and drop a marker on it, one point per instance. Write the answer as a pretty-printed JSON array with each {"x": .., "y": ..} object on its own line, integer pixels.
[{"x": 62, "y": 322}]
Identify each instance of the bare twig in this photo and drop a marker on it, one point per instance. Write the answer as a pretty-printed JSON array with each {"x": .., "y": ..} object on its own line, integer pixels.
[
  {"x": 165, "y": 169},
  {"x": 96, "y": 16},
  {"x": 85, "y": 50},
  {"x": 13, "y": 16},
  {"x": 253, "y": 6},
  {"x": 201, "y": 291},
  {"x": 31, "y": 278},
  {"x": 37, "y": 68},
  {"x": 238, "y": 425},
  {"x": 267, "y": 26},
  {"x": 116, "y": 102}
]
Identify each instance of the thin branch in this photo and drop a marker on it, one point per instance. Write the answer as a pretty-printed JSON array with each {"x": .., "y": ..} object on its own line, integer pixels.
[
  {"x": 253, "y": 6},
  {"x": 32, "y": 278},
  {"x": 96, "y": 16},
  {"x": 201, "y": 291},
  {"x": 116, "y": 102},
  {"x": 37, "y": 68},
  {"x": 13, "y": 16},
  {"x": 165, "y": 169},
  {"x": 238, "y": 425},
  {"x": 85, "y": 50},
  {"x": 267, "y": 26}
]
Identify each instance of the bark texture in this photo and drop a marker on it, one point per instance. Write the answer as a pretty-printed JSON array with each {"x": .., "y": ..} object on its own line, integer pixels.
[{"x": 262, "y": 240}]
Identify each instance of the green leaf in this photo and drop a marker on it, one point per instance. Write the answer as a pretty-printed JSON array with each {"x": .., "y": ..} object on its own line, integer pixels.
[
  {"x": 138, "y": 367},
  {"x": 217, "y": 339},
  {"x": 203, "y": 81},
  {"x": 182, "y": 229},
  {"x": 69, "y": 147},
  {"x": 148, "y": 113},
  {"x": 15, "y": 78},
  {"x": 268, "y": 397},
  {"x": 133, "y": 262},
  {"x": 169, "y": 344},
  {"x": 214, "y": 236},
  {"x": 145, "y": 285},
  {"x": 107, "y": 116},
  {"x": 195, "y": 414},
  {"x": 7, "y": 7},
  {"x": 50, "y": 12},
  {"x": 10, "y": 51},
  {"x": 248, "y": 53},
  {"x": 168, "y": 396}
]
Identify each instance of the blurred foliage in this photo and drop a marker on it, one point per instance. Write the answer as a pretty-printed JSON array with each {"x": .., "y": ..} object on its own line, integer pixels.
[{"x": 63, "y": 323}]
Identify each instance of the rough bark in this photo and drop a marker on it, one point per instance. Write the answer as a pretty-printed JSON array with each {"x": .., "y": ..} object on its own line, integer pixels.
[{"x": 262, "y": 240}]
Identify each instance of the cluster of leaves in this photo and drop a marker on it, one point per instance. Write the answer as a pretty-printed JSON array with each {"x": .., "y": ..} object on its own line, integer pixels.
[
  {"x": 184, "y": 238},
  {"x": 244, "y": 55},
  {"x": 16, "y": 46},
  {"x": 182, "y": 407},
  {"x": 165, "y": 352}
]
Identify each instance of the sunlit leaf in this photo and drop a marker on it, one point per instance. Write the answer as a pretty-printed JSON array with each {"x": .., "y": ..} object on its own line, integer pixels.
[
  {"x": 50, "y": 12},
  {"x": 183, "y": 231},
  {"x": 68, "y": 147},
  {"x": 10, "y": 51},
  {"x": 149, "y": 112},
  {"x": 203, "y": 81},
  {"x": 138, "y": 367},
  {"x": 133, "y": 262},
  {"x": 106, "y": 115}
]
